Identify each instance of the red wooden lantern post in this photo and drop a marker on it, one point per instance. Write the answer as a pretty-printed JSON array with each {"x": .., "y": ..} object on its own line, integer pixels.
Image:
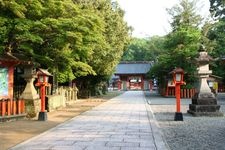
[
  {"x": 42, "y": 83},
  {"x": 178, "y": 77}
]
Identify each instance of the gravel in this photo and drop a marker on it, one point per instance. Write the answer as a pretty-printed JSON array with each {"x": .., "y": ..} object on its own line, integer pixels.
[{"x": 194, "y": 133}]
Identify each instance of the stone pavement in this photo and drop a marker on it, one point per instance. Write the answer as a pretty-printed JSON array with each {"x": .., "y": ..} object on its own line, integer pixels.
[{"x": 124, "y": 122}]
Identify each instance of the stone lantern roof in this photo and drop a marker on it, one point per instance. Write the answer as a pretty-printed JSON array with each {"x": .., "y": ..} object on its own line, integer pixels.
[{"x": 204, "y": 58}]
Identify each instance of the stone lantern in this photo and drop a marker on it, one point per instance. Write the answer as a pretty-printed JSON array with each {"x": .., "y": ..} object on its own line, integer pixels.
[
  {"x": 29, "y": 75},
  {"x": 204, "y": 102}
]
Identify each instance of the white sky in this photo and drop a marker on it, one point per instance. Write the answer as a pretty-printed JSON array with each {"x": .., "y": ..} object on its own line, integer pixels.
[{"x": 149, "y": 17}]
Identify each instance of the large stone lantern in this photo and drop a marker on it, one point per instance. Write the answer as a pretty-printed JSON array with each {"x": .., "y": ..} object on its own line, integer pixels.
[{"x": 204, "y": 102}]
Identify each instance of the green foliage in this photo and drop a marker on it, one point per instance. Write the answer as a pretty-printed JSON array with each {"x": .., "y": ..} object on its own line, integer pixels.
[
  {"x": 136, "y": 50},
  {"x": 109, "y": 48},
  {"x": 76, "y": 38},
  {"x": 185, "y": 14},
  {"x": 216, "y": 33},
  {"x": 182, "y": 44},
  {"x": 144, "y": 49}
]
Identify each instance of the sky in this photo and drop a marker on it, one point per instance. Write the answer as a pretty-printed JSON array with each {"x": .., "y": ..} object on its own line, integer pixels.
[{"x": 149, "y": 17}]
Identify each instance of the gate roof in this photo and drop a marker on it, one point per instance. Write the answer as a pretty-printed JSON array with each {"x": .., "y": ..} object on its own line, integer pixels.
[{"x": 133, "y": 67}]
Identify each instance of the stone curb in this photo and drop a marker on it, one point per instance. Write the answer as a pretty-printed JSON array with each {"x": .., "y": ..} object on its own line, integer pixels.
[{"x": 159, "y": 140}]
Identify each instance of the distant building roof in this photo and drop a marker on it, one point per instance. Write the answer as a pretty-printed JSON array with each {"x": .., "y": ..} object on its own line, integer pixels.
[{"x": 133, "y": 67}]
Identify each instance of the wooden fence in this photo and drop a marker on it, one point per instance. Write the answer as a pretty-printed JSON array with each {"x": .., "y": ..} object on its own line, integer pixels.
[
  {"x": 184, "y": 93},
  {"x": 11, "y": 108}
]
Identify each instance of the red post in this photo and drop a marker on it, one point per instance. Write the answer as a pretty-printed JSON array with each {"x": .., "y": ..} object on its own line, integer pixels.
[
  {"x": 8, "y": 107},
  {"x": 178, "y": 97},
  {"x": 42, "y": 83},
  {"x": 185, "y": 93},
  {"x": 14, "y": 107},
  {"x": 178, "y": 76},
  {"x": 0, "y": 107},
  {"x": 42, "y": 98},
  {"x": 188, "y": 93},
  {"x": 3, "y": 107}
]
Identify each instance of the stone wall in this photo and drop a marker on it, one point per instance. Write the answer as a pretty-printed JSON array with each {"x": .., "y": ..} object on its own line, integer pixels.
[
  {"x": 55, "y": 101},
  {"x": 64, "y": 96}
]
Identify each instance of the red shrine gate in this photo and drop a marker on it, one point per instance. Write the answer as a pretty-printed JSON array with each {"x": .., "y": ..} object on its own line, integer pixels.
[{"x": 131, "y": 75}]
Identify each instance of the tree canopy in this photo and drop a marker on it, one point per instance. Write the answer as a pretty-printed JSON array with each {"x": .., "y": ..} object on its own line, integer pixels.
[
  {"x": 72, "y": 38},
  {"x": 146, "y": 49},
  {"x": 217, "y": 35},
  {"x": 182, "y": 43}
]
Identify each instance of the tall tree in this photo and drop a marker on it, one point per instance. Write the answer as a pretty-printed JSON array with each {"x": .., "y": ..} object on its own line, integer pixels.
[
  {"x": 106, "y": 55},
  {"x": 182, "y": 44},
  {"x": 217, "y": 34},
  {"x": 74, "y": 38},
  {"x": 55, "y": 33}
]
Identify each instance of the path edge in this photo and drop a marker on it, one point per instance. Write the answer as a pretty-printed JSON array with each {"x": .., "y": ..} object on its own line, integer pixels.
[{"x": 159, "y": 139}]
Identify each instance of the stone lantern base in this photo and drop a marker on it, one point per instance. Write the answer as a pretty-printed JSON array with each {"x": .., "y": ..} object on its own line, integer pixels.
[{"x": 204, "y": 104}]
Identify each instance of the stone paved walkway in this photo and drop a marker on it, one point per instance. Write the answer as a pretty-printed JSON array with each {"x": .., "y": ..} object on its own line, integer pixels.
[{"x": 124, "y": 122}]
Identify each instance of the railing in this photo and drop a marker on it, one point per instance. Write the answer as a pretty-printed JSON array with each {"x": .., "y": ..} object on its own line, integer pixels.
[
  {"x": 11, "y": 108},
  {"x": 184, "y": 93}
]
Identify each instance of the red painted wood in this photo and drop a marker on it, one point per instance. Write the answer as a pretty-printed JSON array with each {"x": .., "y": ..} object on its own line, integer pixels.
[
  {"x": 19, "y": 106},
  {"x": 14, "y": 107},
  {"x": 177, "y": 87},
  {"x": 3, "y": 108},
  {"x": 182, "y": 93},
  {"x": 188, "y": 93},
  {"x": 8, "y": 107},
  {"x": 0, "y": 107},
  {"x": 42, "y": 98}
]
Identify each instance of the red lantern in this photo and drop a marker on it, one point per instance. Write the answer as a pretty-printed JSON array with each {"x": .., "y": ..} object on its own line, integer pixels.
[
  {"x": 178, "y": 77},
  {"x": 43, "y": 77}
]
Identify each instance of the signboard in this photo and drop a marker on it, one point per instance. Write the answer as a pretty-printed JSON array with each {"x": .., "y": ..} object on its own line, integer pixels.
[{"x": 3, "y": 82}]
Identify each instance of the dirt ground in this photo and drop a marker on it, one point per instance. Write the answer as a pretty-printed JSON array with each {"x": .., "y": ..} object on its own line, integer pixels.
[{"x": 15, "y": 132}]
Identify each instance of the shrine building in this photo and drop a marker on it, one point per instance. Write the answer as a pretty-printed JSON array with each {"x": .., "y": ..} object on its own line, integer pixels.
[{"x": 131, "y": 75}]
